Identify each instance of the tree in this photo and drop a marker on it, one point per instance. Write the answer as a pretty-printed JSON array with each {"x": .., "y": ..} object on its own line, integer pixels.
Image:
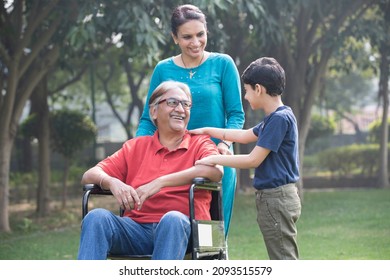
[
  {"x": 375, "y": 131},
  {"x": 231, "y": 31},
  {"x": 133, "y": 36},
  {"x": 303, "y": 37},
  {"x": 320, "y": 126},
  {"x": 384, "y": 68},
  {"x": 39, "y": 107},
  {"x": 30, "y": 38},
  {"x": 345, "y": 94},
  {"x": 71, "y": 132},
  {"x": 379, "y": 38},
  {"x": 46, "y": 90}
]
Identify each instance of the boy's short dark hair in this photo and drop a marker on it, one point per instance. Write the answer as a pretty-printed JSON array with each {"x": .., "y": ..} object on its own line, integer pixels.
[{"x": 266, "y": 71}]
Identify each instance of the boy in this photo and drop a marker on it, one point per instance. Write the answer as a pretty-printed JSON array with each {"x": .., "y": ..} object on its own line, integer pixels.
[{"x": 275, "y": 157}]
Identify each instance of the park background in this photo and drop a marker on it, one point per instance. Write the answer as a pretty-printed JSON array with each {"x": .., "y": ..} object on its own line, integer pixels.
[{"x": 74, "y": 75}]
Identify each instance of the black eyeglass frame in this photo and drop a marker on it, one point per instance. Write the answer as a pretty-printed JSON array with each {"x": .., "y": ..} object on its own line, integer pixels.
[{"x": 173, "y": 102}]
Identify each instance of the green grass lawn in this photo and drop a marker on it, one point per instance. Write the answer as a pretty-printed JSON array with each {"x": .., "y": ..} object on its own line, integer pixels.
[{"x": 334, "y": 225}]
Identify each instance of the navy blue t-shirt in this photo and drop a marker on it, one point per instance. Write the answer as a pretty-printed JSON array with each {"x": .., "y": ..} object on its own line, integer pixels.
[{"x": 277, "y": 132}]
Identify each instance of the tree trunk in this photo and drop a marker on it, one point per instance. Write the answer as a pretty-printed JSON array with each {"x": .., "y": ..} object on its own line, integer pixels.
[
  {"x": 5, "y": 161},
  {"x": 383, "y": 176},
  {"x": 43, "y": 199},
  {"x": 65, "y": 183},
  {"x": 41, "y": 108}
]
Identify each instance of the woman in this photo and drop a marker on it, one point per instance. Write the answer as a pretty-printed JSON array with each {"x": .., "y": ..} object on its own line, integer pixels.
[{"x": 215, "y": 86}]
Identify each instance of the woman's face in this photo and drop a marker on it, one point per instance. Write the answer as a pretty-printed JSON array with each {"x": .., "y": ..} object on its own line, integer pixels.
[{"x": 191, "y": 38}]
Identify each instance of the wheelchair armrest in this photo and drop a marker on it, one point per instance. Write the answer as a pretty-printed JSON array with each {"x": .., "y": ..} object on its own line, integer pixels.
[
  {"x": 95, "y": 189},
  {"x": 88, "y": 190},
  {"x": 208, "y": 237},
  {"x": 204, "y": 184}
]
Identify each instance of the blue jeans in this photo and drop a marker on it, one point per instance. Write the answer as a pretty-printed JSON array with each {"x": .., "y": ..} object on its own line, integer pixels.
[{"x": 102, "y": 232}]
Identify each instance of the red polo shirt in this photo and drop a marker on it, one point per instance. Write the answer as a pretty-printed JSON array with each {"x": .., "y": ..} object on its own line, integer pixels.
[{"x": 143, "y": 159}]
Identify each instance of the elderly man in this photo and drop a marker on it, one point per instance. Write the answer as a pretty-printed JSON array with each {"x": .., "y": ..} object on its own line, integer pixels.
[{"x": 149, "y": 177}]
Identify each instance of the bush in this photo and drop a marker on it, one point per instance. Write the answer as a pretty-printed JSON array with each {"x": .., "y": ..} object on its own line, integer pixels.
[
  {"x": 351, "y": 160},
  {"x": 22, "y": 186},
  {"x": 374, "y": 131},
  {"x": 311, "y": 165},
  {"x": 321, "y": 126}
]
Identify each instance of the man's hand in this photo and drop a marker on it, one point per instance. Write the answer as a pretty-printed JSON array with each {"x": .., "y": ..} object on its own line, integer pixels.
[
  {"x": 223, "y": 149},
  {"x": 126, "y": 196},
  {"x": 147, "y": 190}
]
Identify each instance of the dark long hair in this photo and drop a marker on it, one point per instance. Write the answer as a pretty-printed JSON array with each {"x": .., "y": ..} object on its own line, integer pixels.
[{"x": 185, "y": 13}]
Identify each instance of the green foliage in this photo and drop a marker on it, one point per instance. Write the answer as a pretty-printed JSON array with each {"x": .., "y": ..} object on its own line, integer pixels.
[
  {"x": 321, "y": 126},
  {"x": 347, "y": 93},
  {"x": 320, "y": 131},
  {"x": 22, "y": 187},
  {"x": 27, "y": 225},
  {"x": 23, "y": 184},
  {"x": 140, "y": 25},
  {"x": 71, "y": 131},
  {"x": 29, "y": 127},
  {"x": 374, "y": 131},
  {"x": 352, "y": 159},
  {"x": 75, "y": 172},
  {"x": 311, "y": 165},
  {"x": 19, "y": 178}
]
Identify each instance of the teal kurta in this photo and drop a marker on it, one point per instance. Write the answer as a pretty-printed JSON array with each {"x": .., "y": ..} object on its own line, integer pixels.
[{"x": 216, "y": 102}]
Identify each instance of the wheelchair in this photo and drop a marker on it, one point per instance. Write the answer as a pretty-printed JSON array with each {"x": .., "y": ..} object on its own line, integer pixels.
[{"x": 207, "y": 240}]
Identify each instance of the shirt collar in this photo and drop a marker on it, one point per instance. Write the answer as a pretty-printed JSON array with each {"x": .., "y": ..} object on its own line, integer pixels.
[{"x": 183, "y": 145}]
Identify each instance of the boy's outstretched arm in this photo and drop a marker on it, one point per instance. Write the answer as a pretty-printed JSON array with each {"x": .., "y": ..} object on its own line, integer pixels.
[
  {"x": 242, "y": 136},
  {"x": 252, "y": 160}
]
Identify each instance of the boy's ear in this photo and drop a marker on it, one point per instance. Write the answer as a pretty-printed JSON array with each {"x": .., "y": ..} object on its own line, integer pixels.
[{"x": 258, "y": 88}]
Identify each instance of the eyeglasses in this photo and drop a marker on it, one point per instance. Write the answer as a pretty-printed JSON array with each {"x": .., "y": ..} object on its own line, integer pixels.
[{"x": 173, "y": 102}]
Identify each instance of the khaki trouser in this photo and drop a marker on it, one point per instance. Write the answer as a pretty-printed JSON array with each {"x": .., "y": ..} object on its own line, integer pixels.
[{"x": 278, "y": 210}]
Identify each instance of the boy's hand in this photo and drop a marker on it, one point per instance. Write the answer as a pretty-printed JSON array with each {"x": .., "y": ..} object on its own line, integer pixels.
[
  {"x": 197, "y": 131},
  {"x": 206, "y": 161}
]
